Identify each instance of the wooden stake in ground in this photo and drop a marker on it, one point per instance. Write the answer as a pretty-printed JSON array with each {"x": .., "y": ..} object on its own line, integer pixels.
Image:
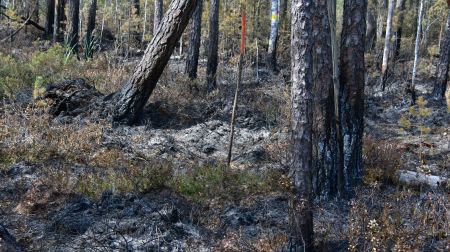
[{"x": 241, "y": 59}]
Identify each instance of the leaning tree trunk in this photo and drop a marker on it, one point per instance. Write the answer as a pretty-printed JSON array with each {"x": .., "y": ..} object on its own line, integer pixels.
[
  {"x": 274, "y": 27},
  {"x": 387, "y": 44},
  {"x": 398, "y": 34},
  {"x": 158, "y": 15},
  {"x": 91, "y": 20},
  {"x": 50, "y": 17},
  {"x": 300, "y": 203},
  {"x": 443, "y": 65},
  {"x": 325, "y": 147},
  {"x": 131, "y": 99},
  {"x": 74, "y": 24},
  {"x": 351, "y": 93},
  {"x": 213, "y": 45},
  {"x": 194, "y": 41},
  {"x": 412, "y": 86}
]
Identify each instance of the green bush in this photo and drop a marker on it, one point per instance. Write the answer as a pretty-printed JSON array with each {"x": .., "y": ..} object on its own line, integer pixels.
[{"x": 14, "y": 76}]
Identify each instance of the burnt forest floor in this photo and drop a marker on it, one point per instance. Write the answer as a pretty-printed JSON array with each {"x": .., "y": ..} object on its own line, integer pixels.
[{"x": 160, "y": 185}]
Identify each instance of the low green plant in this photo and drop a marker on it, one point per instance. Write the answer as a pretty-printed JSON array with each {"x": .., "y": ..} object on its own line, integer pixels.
[{"x": 14, "y": 75}]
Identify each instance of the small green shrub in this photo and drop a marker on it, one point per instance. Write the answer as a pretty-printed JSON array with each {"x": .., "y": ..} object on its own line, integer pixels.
[
  {"x": 14, "y": 76},
  {"x": 52, "y": 64}
]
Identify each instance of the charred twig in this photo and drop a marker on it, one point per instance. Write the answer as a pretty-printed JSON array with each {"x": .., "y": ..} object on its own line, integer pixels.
[{"x": 27, "y": 20}]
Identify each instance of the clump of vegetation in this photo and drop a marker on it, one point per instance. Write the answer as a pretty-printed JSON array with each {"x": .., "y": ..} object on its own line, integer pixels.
[
  {"x": 202, "y": 183},
  {"x": 382, "y": 160},
  {"x": 380, "y": 222}
]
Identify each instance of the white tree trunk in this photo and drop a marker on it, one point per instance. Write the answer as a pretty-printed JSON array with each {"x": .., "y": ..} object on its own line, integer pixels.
[
  {"x": 387, "y": 43},
  {"x": 416, "y": 53}
]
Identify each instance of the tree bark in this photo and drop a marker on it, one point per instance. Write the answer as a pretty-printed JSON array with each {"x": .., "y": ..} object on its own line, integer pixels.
[
  {"x": 131, "y": 99},
  {"x": 158, "y": 15},
  {"x": 91, "y": 20},
  {"x": 213, "y": 45},
  {"x": 380, "y": 21},
  {"x": 371, "y": 30},
  {"x": 412, "y": 86},
  {"x": 74, "y": 24},
  {"x": 300, "y": 203},
  {"x": 56, "y": 21},
  {"x": 398, "y": 34},
  {"x": 325, "y": 148},
  {"x": 195, "y": 35},
  {"x": 273, "y": 39},
  {"x": 387, "y": 44},
  {"x": 351, "y": 93},
  {"x": 440, "y": 85},
  {"x": 50, "y": 17}
]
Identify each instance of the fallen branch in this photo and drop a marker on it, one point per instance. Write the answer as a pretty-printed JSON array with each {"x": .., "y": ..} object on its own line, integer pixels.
[
  {"x": 20, "y": 28},
  {"x": 416, "y": 179},
  {"x": 28, "y": 21}
]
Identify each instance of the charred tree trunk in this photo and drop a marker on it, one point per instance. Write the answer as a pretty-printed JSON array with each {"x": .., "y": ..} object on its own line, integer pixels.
[
  {"x": 194, "y": 41},
  {"x": 440, "y": 85},
  {"x": 371, "y": 31},
  {"x": 50, "y": 17},
  {"x": 62, "y": 15},
  {"x": 300, "y": 204},
  {"x": 351, "y": 93},
  {"x": 325, "y": 148},
  {"x": 399, "y": 32},
  {"x": 74, "y": 24},
  {"x": 213, "y": 45},
  {"x": 273, "y": 40},
  {"x": 158, "y": 15},
  {"x": 91, "y": 20},
  {"x": 387, "y": 44},
  {"x": 131, "y": 99}
]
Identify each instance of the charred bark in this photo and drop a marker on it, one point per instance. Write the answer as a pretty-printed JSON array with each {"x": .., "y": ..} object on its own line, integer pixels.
[
  {"x": 7, "y": 241},
  {"x": 50, "y": 17},
  {"x": 91, "y": 20},
  {"x": 351, "y": 93},
  {"x": 131, "y": 99},
  {"x": 399, "y": 32},
  {"x": 194, "y": 41},
  {"x": 213, "y": 45},
  {"x": 440, "y": 85},
  {"x": 74, "y": 24},
  {"x": 300, "y": 203},
  {"x": 158, "y": 15},
  {"x": 325, "y": 148}
]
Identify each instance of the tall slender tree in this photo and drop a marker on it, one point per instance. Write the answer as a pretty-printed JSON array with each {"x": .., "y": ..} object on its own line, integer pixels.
[
  {"x": 300, "y": 204},
  {"x": 158, "y": 15},
  {"x": 50, "y": 17},
  {"x": 213, "y": 45},
  {"x": 381, "y": 18},
  {"x": 74, "y": 9},
  {"x": 351, "y": 93},
  {"x": 400, "y": 8},
  {"x": 325, "y": 147},
  {"x": 387, "y": 44},
  {"x": 273, "y": 39},
  {"x": 411, "y": 88},
  {"x": 56, "y": 21},
  {"x": 132, "y": 97},
  {"x": 92, "y": 15},
  {"x": 195, "y": 35},
  {"x": 440, "y": 85}
]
